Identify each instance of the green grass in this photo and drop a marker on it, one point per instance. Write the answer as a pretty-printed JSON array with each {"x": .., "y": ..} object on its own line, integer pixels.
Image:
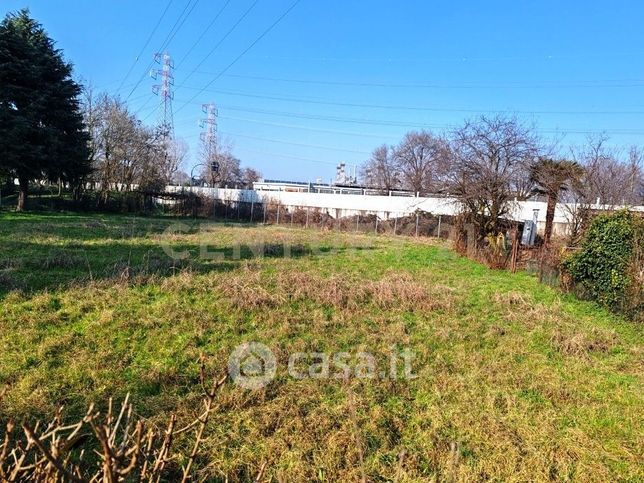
[{"x": 516, "y": 381}]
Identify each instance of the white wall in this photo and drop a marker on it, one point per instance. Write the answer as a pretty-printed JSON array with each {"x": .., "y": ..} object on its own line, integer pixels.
[{"x": 340, "y": 205}]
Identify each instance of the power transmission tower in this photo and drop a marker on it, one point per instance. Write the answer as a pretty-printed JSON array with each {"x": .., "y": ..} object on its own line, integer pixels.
[
  {"x": 164, "y": 91},
  {"x": 209, "y": 138}
]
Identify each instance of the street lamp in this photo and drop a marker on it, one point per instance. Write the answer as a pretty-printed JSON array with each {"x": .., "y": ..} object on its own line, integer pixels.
[{"x": 192, "y": 172}]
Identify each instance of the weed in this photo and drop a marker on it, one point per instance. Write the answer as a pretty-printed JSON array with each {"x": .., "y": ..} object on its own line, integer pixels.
[{"x": 515, "y": 380}]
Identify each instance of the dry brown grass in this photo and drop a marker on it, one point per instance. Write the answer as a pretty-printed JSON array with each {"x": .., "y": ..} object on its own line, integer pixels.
[
  {"x": 516, "y": 382},
  {"x": 248, "y": 292},
  {"x": 394, "y": 291},
  {"x": 583, "y": 343}
]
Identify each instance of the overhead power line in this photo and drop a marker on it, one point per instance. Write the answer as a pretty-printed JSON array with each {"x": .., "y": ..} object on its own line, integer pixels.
[
  {"x": 290, "y": 143},
  {"x": 401, "y": 108},
  {"x": 290, "y": 156},
  {"x": 205, "y": 31},
  {"x": 268, "y": 153},
  {"x": 307, "y": 128},
  {"x": 305, "y": 145},
  {"x": 167, "y": 42},
  {"x": 236, "y": 59},
  {"x": 221, "y": 41},
  {"x": 407, "y": 124},
  {"x": 180, "y": 21},
  {"x": 546, "y": 85},
  {"x": 458, "y": 59},
  {"x": 145, "y": 45}
]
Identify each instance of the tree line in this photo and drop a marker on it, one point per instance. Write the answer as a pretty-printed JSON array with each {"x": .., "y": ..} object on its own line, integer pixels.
[
  {"x": 490, "y": 161},
  {"x": 54, "y": 130}
]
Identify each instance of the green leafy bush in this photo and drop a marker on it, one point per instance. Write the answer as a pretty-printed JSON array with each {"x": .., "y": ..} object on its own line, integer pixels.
[{"x": 605, "y": 267}]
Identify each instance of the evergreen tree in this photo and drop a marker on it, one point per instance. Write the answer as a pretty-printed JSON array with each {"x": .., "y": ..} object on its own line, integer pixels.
[{"x": 42, "y": 135}]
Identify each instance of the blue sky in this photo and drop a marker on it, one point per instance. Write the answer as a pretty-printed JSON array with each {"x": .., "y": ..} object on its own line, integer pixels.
[{"x": 336, "y": 78}]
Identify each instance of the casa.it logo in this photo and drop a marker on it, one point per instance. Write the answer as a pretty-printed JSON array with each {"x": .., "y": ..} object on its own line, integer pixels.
[{"x": 252, "y": 365}]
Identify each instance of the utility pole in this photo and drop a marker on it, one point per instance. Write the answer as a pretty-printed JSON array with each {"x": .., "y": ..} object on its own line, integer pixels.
[
  {"x": 209, "y": 137},
  {"x": 164, "y": 90}
]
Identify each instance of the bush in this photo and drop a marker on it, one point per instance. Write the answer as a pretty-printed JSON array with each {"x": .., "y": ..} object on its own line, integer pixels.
[{"x": 605, "y": 269}]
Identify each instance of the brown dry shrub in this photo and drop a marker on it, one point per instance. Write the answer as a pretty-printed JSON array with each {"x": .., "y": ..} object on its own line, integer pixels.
[
  {"x": 513, "y": 299},
  {"x": 401, "y": 290},
  {"x": 396, "y": 290},
  {"x": 249, "y": 292},
  {"x": 522, "y": 308},
  {"x": 582, "y": 344},
  {"x": 334, "y": 291}
]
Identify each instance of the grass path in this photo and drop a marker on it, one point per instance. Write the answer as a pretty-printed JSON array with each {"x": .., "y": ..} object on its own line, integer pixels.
[{"x": 515, "y": 381}]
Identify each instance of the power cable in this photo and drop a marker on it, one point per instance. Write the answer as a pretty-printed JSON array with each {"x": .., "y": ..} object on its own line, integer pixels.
[
  {"x": 212, "y": 22},
  {"x": 255, "y": 42},
  {"x": 413, "y": 125},
  {"x": 403, "y": 108},
  {"x": 572, "y": 85},
  {"x": 145, "y": 45},
  {"x": 173, "y": 32},
  {"x": 221, "y": 41}
]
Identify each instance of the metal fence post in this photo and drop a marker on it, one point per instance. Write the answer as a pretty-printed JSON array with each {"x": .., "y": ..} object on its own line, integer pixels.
[
  {"x": 278, "y": 214},
  {"x": 358, "y": 221},
  {"x": 264, "y": 204},
  {"x": 307, "y": 216},
  {"x": 252, "y": 207},
  {"x": 376, "y": 230},
  {"x": 439, "y": 226},
  {"x": 395, "y": 224},
  {"x": 416, "y": 224}
]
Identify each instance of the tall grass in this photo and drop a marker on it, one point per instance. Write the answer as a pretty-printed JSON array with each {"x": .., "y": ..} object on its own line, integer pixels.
[{"x": 515, "y": 380}]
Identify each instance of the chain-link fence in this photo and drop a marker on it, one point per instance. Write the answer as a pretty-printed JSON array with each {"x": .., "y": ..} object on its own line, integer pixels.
[{"x": 271, "y": 213}]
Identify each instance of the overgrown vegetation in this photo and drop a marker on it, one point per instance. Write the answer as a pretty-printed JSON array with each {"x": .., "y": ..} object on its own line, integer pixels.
[
  {"x": 516, "y": 381},
  {"x": 608, "y": 267}
]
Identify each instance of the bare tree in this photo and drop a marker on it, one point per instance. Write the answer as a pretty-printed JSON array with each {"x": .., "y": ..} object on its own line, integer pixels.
[
  {"x": 490, "y": 155},
  {"x": 220, "y": 166},
  {"x": 421, "y": 160},
  {"x": 608, "y": 179},
  {"x": 91, "y": 118},
  {"x": 118, "y": 143},
  {"x": 249, "y": 176},
  {"x": 127, "y": 155},
  {"x": 228, "y": 170},
  {"x": 180, "y": 178},
  {"x": 174, "y": 157},
  {"x": 635, "y": 176},
  {"x": 381, "y": 170}
]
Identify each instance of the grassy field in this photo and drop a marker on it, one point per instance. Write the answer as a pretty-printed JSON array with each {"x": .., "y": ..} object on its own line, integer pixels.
[{"x": 515, "y": 381}]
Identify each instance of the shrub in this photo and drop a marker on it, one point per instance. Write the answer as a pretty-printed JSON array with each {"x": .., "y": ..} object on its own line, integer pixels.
[{"x": 604, "y": 268}]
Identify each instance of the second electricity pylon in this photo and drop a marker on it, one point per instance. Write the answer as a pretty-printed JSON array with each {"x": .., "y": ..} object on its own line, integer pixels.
[
  {"x": 209, "y": 137},
  {"x": 164, "y": 91}
]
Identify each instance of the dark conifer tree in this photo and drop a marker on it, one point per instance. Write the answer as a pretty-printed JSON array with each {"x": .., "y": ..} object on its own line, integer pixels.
[{"x": 42, "y": 135}]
